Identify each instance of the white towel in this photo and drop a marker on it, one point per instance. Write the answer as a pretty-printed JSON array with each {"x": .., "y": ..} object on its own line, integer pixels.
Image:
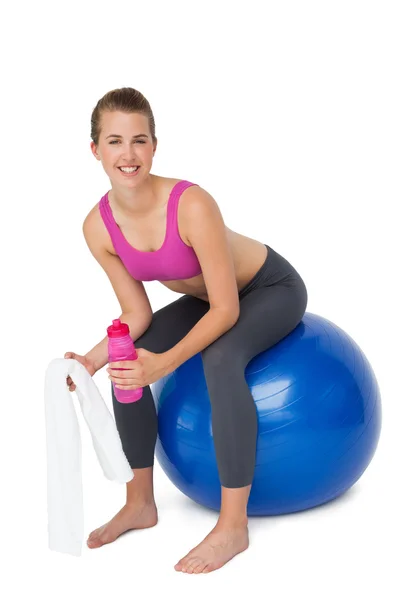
[{"x": 64, "y": 450}]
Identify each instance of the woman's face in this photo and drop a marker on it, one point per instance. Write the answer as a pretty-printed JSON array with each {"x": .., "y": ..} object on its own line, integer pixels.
[{"x": 124, "y": 141}]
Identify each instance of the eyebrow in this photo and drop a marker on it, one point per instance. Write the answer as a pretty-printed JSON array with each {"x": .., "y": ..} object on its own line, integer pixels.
[{"x": 120, "y": 136}]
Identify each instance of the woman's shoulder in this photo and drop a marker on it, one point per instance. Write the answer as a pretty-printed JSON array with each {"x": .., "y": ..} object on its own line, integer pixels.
[
  {"x": 94, "y": 228},
  {"x": 166, "y": 184}
]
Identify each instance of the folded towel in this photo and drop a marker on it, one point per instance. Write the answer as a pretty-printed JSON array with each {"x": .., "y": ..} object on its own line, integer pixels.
[{"x": 64, "y": 451}]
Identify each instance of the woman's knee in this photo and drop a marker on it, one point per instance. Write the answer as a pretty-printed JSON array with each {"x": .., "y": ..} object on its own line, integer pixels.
[
  {"x": 222, "y": 358},
  {"x": 156, "y": 338},
  {"x": 150, "y": 339}
]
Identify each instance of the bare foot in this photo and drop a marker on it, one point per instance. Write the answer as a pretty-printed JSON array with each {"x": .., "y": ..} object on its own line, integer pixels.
[
  {"x": 220, "y": 546},
  {"x": 131, "y": 516}
]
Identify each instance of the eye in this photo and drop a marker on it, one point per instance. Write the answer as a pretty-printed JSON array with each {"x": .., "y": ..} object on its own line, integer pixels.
[{"x": 136, "y": 141}]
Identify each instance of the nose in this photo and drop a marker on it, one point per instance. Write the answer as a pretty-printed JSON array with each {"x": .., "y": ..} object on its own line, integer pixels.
[
  {"x": 128, "y": 156},
  {"x": 128, "y": 151}
]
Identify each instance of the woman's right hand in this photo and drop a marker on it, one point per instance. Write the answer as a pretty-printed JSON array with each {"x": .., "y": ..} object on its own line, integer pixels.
[{"x": 88, "y": 364}]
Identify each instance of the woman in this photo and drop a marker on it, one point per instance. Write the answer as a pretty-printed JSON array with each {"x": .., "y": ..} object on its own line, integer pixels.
[{"x": 240, "y": 297}]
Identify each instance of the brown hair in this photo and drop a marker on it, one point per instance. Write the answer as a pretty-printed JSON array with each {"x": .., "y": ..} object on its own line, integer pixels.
[{"x": 124, "y": 99}]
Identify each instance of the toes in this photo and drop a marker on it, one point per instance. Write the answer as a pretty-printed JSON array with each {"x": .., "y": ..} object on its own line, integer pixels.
[
  {"x": 191, "y": 564},
  {"x": 99, "y": 537},
  {"x": 93, "y": 537},
  {"x": 212, "y": 567},
  {"x": 96, "y": 533},
  {"x": 198, "y": 566},
  {"x": 184, "y": 567},
  {"x": 179, "y": 565},
  {"x": 182, "y": 563},
  {"x": 92, "y": 543}
]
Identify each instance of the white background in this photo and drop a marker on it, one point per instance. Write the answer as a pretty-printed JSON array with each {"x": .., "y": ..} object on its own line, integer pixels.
[{"x": 288, "y": 114}]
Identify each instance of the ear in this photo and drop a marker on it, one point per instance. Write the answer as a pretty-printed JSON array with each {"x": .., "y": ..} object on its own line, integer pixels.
[{"x": 93, "y": 148}]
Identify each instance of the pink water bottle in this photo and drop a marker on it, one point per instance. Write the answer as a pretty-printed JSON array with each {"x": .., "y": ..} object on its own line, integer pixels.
[{"x": 121, "y": 347}]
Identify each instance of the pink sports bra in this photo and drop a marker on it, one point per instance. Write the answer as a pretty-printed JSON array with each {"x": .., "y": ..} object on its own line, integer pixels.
[{"x": 174, "y": 260}]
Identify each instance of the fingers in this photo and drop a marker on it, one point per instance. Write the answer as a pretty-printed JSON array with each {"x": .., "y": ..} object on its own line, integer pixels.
[
  {"x": 128, "y": 387},
  {"x": 124, "y": 381},
  {"x": 136, "y": 371},
  {"x": 70, "y": 383}
]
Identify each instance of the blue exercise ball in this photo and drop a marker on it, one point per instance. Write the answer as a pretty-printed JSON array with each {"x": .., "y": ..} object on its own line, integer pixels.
[{"x": 319, "y": 421}]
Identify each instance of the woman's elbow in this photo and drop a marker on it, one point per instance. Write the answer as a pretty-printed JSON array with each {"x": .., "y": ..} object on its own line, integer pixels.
[{"x": 230, "y": 314}]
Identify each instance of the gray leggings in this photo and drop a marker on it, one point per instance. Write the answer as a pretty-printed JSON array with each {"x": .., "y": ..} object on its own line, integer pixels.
[{"x": 272, "y": 304}]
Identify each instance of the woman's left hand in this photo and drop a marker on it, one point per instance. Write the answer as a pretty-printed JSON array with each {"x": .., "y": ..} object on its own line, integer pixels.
[{"x": 146, "y": 369}]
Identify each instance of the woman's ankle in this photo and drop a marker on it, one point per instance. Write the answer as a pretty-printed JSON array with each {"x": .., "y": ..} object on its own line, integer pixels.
[
  {"x": 141, "y": 487},
  {"x": 232, "y": 521}
]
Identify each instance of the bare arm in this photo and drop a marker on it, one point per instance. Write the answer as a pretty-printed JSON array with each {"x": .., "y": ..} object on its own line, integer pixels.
[
  {"x": 131, "y": 294},
  {"x": 99, "y": 354},
  {"x": 206, "y": 232}
]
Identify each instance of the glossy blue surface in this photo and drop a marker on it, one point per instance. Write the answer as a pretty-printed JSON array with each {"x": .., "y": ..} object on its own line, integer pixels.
[{"x": 319, "y": 419}]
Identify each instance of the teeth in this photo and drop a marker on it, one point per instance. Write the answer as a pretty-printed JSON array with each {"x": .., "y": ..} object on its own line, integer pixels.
[{"x": 128, "y": 169}]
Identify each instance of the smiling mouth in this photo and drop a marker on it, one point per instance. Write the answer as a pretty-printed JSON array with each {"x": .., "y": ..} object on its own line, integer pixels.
[{"x": 129, "y": 173}]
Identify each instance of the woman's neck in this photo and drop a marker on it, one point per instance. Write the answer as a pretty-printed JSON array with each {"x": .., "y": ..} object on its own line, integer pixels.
[{"x": 136, "y": 201}]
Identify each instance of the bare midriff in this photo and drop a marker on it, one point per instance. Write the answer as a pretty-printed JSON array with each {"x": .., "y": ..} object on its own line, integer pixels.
[{"x": 248, "y": 256}]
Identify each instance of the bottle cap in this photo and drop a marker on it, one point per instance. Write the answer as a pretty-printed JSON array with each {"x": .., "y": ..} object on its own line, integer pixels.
[{"x": 117, "y": 329}]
